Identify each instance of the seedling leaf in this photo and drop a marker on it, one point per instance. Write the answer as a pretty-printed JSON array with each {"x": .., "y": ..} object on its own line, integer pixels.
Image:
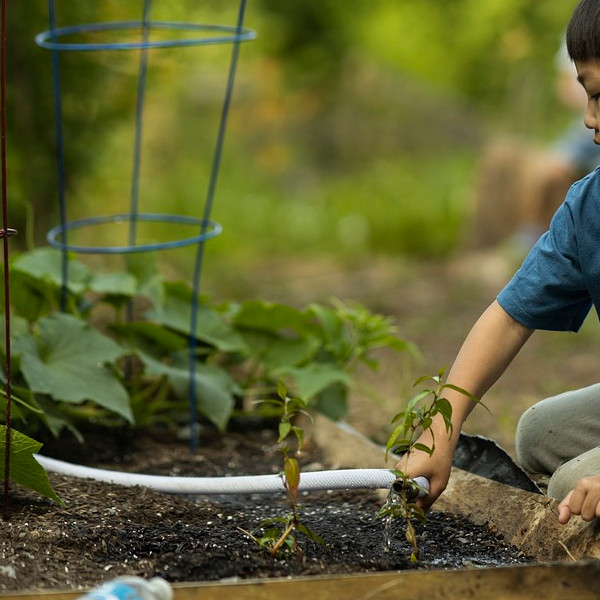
[
  {"x": 416, "y": 399},
  {"x": 425, "y": 378},
  {"x": 423, "y": 448},
  {"x": 309, "y": 533},
  {"x": 445, "y": 409},
  {"x": 281, "y": 389},
  {"x": 292, "y": 475},
  {"x": 284, "y": 429},
  {"x": 299, "y": 432}
]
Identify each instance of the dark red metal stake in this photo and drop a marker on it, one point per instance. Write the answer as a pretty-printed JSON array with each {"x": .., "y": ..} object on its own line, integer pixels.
[{"x": 5, "y": 234}]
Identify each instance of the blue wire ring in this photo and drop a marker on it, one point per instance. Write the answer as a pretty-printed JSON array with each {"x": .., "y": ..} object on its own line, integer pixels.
[
  {"x": 210, "y": 229},
  {"x": 229, "y": 34}
]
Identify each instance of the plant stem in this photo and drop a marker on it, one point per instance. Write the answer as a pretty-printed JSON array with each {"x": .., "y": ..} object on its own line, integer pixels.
[{"x": 282, "y": 538}]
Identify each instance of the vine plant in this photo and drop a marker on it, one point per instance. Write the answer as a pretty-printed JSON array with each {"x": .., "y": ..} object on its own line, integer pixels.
[{"x": 410, "y": 423}]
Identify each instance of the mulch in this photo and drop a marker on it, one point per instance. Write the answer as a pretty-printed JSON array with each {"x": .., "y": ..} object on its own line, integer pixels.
[{"x": 104, "y": 531}]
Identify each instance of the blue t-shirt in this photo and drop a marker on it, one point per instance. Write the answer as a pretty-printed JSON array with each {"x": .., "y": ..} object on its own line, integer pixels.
[{"x": 559, "y": 281}]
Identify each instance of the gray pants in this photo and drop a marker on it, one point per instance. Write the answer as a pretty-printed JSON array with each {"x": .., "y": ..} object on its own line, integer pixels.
[{"x": 560, "y": 437}]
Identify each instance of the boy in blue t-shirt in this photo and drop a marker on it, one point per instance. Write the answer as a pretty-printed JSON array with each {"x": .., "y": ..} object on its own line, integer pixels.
[{"x": 554, "y": 289}]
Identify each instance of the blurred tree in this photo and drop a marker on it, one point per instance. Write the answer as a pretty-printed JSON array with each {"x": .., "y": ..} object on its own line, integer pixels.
[
  {"x": 498, "y": 53},
  {"x": 31, "y": 137},
  {"x": 312, "y": 37},
  {"x": 334, "y": 86}
]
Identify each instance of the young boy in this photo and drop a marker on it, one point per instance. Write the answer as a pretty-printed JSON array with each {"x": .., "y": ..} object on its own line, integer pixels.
[{"x": 554, "y": 289}]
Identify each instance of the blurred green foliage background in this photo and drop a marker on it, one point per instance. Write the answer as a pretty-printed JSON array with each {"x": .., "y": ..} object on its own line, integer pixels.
[{"x": 355, "y": 130}]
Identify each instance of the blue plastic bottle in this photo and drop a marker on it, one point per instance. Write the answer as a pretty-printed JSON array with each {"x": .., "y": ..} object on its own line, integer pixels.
[{"x": 131, "y": 588}]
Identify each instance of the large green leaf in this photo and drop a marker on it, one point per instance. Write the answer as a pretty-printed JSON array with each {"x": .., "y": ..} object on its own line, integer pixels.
[
  {"x": 314, "y": 378},
  {"x": 333, "y": 402},
  {"x": 215, "y": 389},
  {"x": 23, "y": 468},
  {"x": 149, "y": 337},
  {"x": 30, "y": 297},
  {"x": 144, "y": 268},
  {"x": 212, "y": 328},
  {"x": 269, "y": 316},
  {"x": 18, "y": 326},
  {"x": 274, "y": 351},
  {"x": 36, "y": 281},
  {"x": 46, "y": 264},
  {"x": 114, "y": 284},
  {"x": 68, "y": 360}
]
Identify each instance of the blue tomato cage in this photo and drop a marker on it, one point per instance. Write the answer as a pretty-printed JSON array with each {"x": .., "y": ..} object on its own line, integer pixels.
[{"x": 142, "y": 35}]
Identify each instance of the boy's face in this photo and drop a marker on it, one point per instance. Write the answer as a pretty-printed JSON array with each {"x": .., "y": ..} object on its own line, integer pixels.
[{"x": 588, "y": 74}]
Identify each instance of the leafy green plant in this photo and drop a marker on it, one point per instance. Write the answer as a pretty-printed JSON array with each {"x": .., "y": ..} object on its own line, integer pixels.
[
  {"x": 416, "y": 418},
  {"x": 76, "y": 360},
  {"x": 119, "y": 353},
  {"x": 280, "y": 534}
]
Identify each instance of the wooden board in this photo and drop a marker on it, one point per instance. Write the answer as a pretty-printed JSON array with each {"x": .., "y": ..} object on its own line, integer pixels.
[{"x": 551, "y": 582}]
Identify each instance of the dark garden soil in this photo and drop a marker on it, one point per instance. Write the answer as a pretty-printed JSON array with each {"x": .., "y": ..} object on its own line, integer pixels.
[{"x": 104, "y": 531}]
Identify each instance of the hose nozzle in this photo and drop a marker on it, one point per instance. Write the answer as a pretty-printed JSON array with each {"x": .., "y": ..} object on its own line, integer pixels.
[{"x": 411, "y": 488}]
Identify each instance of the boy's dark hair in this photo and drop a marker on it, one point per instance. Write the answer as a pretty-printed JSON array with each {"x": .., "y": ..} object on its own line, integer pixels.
[{"x": 583, "y": 31}]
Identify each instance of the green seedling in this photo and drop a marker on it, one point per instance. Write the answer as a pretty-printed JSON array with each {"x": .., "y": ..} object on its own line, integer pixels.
[
  {"x": 400, "y": 505},
  {"x": 416, "y": 418},
  {"x": 280, "y": 534}
]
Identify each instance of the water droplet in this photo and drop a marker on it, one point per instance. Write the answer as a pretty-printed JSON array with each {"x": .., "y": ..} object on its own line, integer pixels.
[{"x": 391, "y": 500}]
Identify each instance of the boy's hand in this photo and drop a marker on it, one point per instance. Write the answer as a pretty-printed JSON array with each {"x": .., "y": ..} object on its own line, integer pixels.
[
  {"x": 583, "y": 500},
  {"x": 435, "y": 468}
]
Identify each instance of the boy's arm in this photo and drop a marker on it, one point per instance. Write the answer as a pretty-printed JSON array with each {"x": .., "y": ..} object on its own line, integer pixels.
[{"x": 491, "y": 345}]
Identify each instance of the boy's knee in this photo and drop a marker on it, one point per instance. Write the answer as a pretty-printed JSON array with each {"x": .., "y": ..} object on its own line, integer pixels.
[
  {"x": 528, "y": 441},
  {"x": 567, "y": 475},
  {"x": 562, "y": 482},
  {"x": 557, "y": 429}
]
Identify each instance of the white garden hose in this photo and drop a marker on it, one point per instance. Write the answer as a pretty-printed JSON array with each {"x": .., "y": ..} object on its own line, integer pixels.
[{"x": 247, "y": 484}]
